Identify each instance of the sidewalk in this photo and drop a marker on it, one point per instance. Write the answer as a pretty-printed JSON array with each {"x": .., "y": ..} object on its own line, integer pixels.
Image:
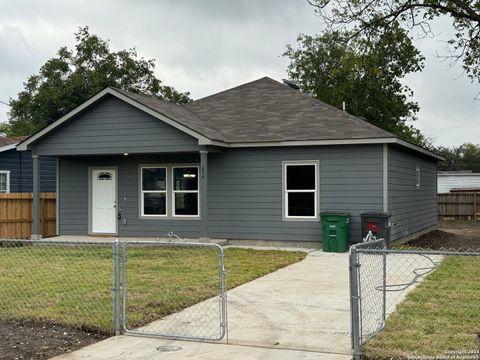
[{"x": 298, "y": 312}]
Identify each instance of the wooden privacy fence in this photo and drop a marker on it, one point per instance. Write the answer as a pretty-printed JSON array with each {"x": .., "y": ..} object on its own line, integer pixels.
[
  {"x": 459, "y": 205},
  {"x": 16, "y": 215}
]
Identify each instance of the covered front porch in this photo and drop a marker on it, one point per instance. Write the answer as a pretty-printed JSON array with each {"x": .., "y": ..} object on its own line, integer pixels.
[{"x": 143, "y": 196}]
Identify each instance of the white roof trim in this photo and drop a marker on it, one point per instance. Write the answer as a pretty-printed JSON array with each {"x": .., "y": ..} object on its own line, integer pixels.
[
  {"x": 392, "y": 140},
  {"x": 8, "y": 147},
  {"x": 419, "y": 149},
  {"x": 313, "y": 142},
  {"x": 23, "y": 146},
  {"x": 455, "y": 175}
]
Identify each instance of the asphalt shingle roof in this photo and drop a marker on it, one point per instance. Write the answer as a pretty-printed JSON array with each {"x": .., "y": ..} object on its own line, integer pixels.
[
  {"x": 266, "y": 110},
  {"x": 263, "y": 110},
  {"x": 5, "y": 140}
]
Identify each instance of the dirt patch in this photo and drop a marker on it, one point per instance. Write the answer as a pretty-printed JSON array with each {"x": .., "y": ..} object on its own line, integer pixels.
[
  {"x": 40, "y": 340},
  {"x": 451, "y": 235}
]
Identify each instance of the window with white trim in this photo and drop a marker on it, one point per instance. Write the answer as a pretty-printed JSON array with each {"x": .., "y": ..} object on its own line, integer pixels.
[
  {"x": 300, "y": 184},
  {"x": 154, "y": 191},
  {"x": 4, "y": 181},
  {"x": 169, "y": 191},
  {"x": 185, "y": 191},
  {"x": 417, "y": 176}
]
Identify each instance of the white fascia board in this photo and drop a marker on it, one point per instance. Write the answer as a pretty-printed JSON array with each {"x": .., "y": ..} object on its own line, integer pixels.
[
  {"x": 419, "y": 149},
  {"x": 458, "y": 175},
  {"x": 8, "y": 147},
  {"x": 23, "y": 146},
  {"x": 391, "y": 140},
  {"x": 315, "y": 142}
]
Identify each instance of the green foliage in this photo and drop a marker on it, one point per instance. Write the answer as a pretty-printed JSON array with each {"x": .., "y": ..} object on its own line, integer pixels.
[
  {"x": 366, "y": 73},
  {"x": 73, "y": 76},
  {"x": 367, "y": 16},
  {"x": 463, "y": 157}
]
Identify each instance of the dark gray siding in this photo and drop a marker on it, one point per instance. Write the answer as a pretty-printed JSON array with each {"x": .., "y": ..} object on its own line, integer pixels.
[
  {"x": 19, "y": 163},
  {"x": 413, "y": 208},
  {"x": 245, "y": 190},
  {"x": 73, "y": 195},
  {"x": 114, "y": 127}
]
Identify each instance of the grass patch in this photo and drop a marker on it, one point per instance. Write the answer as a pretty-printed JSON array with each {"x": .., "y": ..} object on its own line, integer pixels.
[
  {"x": 441, "y": 314},
  {"x": 72, "y": 285}
]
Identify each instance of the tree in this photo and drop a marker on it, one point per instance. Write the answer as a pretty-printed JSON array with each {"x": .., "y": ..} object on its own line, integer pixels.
[
  {"x": 452, "y": 157},
  {"x": 366, "y": 74},
  {"x": 463, "y": 157},
  {"x": 72, "y": 76},
  {"x": 367, "y": 16}
]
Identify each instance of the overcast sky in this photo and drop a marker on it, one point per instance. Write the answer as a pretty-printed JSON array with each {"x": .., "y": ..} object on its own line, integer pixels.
[{"x": 210, "y": 45}]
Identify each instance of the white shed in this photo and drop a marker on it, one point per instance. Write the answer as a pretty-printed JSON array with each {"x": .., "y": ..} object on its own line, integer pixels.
[{"x": 458, "y": 180}]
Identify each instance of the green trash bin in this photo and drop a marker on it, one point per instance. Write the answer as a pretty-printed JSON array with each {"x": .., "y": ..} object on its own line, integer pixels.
[{"x": 335, "y": 226}]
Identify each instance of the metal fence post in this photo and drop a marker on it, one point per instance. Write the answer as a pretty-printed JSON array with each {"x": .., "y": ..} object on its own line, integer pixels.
[
  {"x": 384, "y": 287},
  {"x": 223, "y": 295},
  {"x": 116, "y": 296},
  {"x": 354, "y": 304},
  {"x": 125, "y": 286}
]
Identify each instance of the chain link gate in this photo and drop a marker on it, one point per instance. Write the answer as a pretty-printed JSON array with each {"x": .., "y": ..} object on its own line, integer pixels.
[
  {"x": 190, "y": 304},
  {"x": 381, "y": 278}
]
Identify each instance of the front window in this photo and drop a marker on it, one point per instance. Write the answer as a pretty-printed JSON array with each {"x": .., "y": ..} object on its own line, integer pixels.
[
  {"x": 300, "y": 190},
  {"x": 169, "y": 191},
  {"x": 154, "y": 191},
  {"x": 185, "y": 191},
  {"x": 4, "y": 182}
]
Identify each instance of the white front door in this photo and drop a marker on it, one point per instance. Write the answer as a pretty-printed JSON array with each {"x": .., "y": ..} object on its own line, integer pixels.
[{"x": 104, "y": 196}]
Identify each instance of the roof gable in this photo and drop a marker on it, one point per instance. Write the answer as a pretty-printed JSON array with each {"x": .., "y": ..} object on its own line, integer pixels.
[
  {"x": 113, "y": 126},
  {"x": 139, "y": 102}
]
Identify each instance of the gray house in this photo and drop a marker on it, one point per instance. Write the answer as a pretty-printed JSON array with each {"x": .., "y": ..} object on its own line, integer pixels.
[{"x": 256, "y": 162}]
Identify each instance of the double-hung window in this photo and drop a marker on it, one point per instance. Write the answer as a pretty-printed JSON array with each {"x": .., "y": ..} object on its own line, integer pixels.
[
  {"x": 4, "y": 181},
  {"x": 169, "y": 191},
  {"x": 154, "y": 191},
  {"x": 300, "y": 187}
]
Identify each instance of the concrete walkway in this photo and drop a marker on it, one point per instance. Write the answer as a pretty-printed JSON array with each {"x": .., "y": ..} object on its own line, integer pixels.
[{"x": 298, "y": 312}]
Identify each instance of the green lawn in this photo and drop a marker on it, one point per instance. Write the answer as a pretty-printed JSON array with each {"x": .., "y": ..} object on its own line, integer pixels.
[
  {"x": 72, "y": 285},
  {"x": 441, "y": 314}
]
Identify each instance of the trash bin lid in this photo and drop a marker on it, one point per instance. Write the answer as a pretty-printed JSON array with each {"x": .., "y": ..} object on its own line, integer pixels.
[
  {"x": 334, "y": 213},
  {"x": 378, "y": 214}
]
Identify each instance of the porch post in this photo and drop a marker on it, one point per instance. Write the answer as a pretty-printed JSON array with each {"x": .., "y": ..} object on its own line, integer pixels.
[
  {"x": 204, "y": 191},
  {"x": 36, "y": 230}
]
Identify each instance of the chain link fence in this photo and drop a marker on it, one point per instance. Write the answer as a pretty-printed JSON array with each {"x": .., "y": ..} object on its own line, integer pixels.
[
  {"x": 163, "y": 288},
  {"x": 400, "y": 291},
  {"x": 57, "y": 282},
  {"x": 174, "y": 289}
]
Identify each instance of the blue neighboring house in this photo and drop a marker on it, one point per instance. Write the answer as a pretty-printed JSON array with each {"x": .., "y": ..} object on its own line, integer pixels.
[{"x": 16, "y": 168}]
